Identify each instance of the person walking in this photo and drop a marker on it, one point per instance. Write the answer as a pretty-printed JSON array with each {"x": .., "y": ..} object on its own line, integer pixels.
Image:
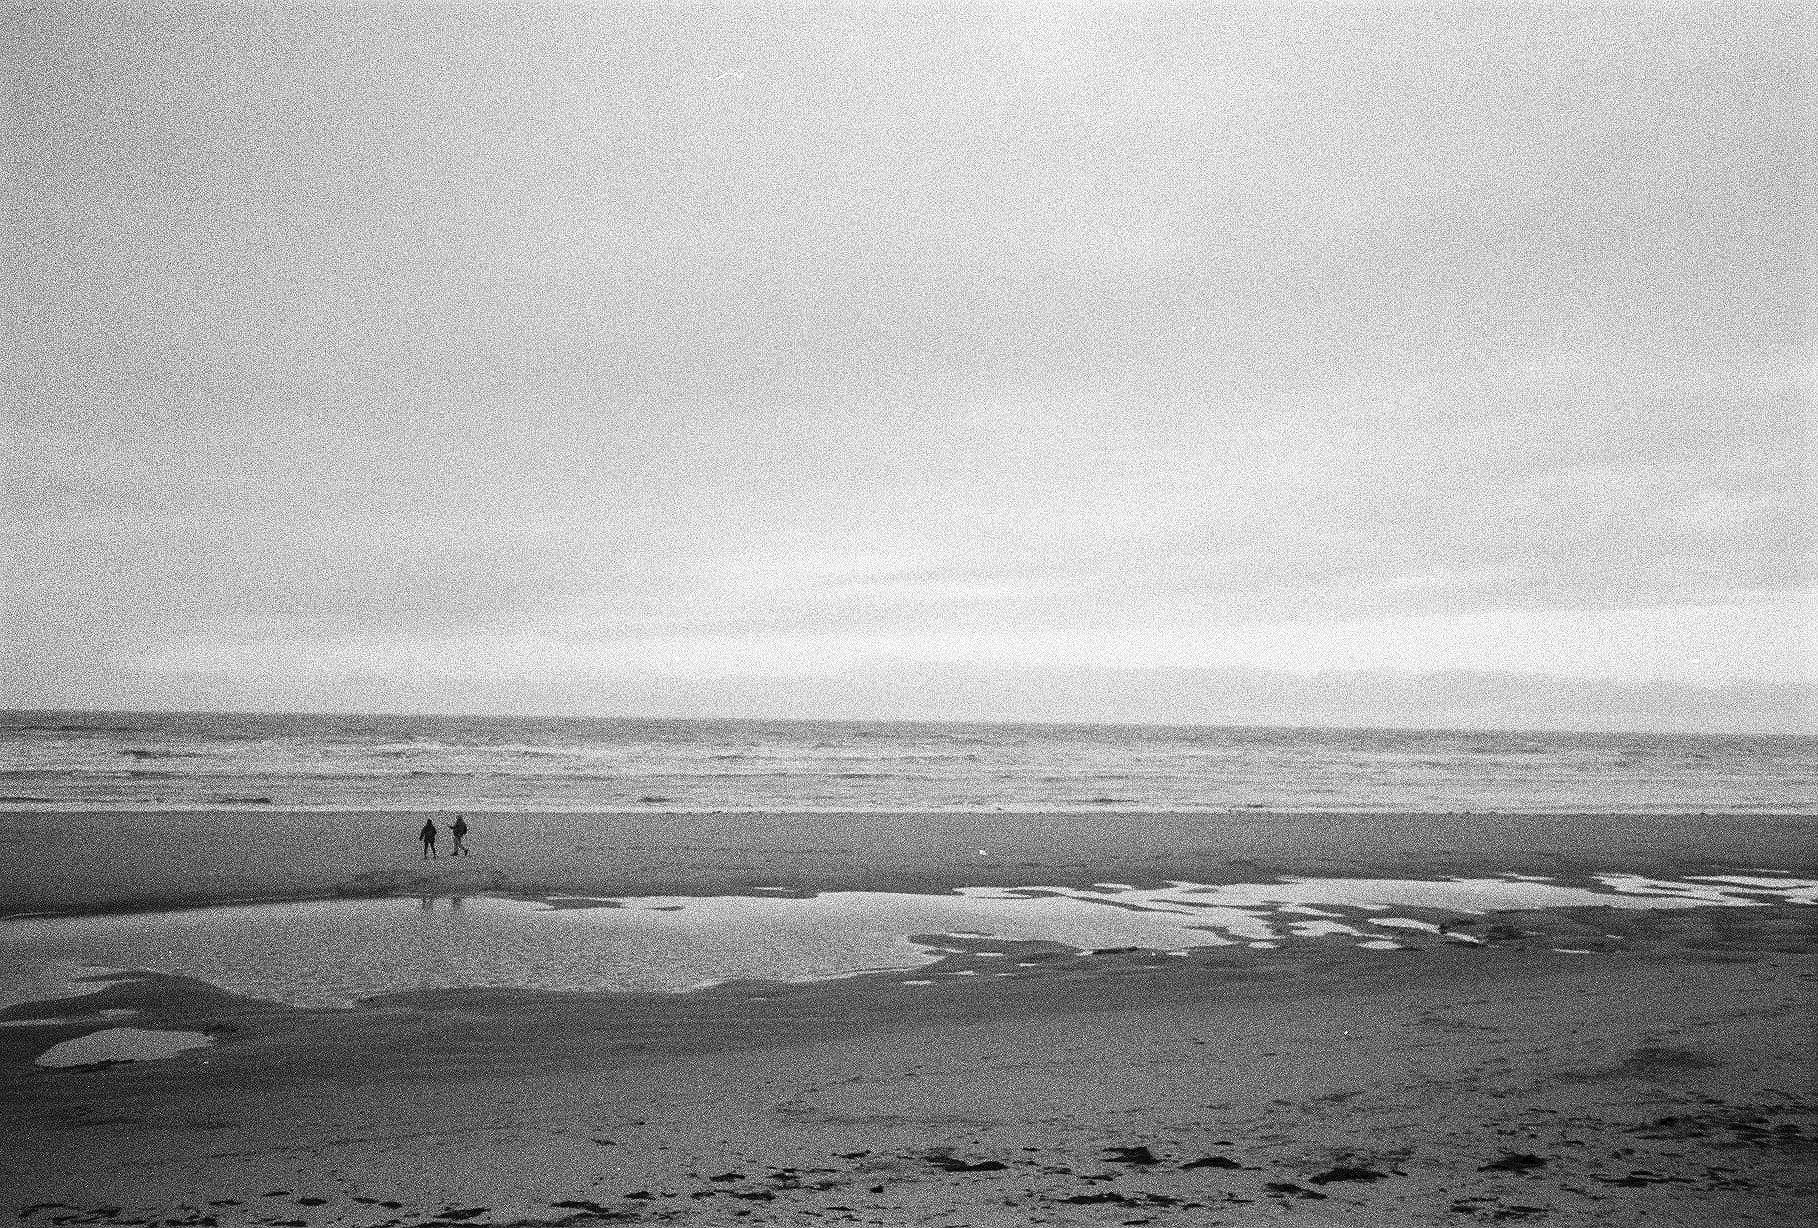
[
  {"x": 428, "y": 837},
  {"x": 460, "y": 836}
]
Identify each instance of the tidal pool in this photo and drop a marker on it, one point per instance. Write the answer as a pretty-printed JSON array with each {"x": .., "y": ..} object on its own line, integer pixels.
[
  {"x": 122, "y": 1045},
  {"x": 331, "y": 953}
]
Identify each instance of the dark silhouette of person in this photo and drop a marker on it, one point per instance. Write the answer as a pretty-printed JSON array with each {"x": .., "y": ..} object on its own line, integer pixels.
[
  {"x": 460, "y": 834},
  {"x": 428, "y": 837}
]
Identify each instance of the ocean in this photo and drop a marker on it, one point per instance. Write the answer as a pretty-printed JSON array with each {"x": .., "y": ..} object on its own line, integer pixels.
[{"x": 225, "y": 761}]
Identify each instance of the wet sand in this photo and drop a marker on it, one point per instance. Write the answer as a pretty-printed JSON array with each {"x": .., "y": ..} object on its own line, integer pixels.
[
  {"x": 107, "y": 862},
  {"x": 1662, "y": 1078}
]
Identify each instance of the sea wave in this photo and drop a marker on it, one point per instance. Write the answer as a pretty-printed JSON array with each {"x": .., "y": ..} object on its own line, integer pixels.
[{"x": 372, "y": 763}]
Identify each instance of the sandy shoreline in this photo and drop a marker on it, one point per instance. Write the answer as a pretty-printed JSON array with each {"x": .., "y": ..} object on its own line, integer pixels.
[
  {"x": 1661, "y": 1079},
  {"x": 101, "y": 862}
]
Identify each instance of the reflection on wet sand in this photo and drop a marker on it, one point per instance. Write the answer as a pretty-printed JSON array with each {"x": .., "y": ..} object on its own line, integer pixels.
[{"x": 122, "y": 1045}]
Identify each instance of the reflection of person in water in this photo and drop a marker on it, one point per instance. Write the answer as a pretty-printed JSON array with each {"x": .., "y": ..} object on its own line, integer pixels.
[
  {"x": 428, "y": 837},
  {"x": 460, "y": 834}
]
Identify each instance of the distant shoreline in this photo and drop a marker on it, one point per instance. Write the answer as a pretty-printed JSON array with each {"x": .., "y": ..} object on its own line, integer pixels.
[{"x": 917, "y": 722}]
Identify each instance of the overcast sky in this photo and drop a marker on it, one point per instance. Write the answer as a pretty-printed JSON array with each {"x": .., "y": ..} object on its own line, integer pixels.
[{"x": 898, "y": 360}]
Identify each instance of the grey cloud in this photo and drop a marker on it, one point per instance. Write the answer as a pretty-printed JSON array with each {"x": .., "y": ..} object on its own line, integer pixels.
[{"x": 428, "y": 322}]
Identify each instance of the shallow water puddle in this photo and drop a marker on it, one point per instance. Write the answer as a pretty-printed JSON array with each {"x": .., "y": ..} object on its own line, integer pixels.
[
  {"x": 336, "y": 952},
  {"x": 122, "y": 1045}
]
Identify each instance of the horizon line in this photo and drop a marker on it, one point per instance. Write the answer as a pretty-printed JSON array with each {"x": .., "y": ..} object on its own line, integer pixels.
[{"x": 999, "y": 722}]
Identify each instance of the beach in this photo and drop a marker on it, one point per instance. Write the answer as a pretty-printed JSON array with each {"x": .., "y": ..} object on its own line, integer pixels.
[
  {"x": 1579, "y": 1065},
  {"x": 1099, "y": 614},
  {"x": 115, "y": 861}
]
